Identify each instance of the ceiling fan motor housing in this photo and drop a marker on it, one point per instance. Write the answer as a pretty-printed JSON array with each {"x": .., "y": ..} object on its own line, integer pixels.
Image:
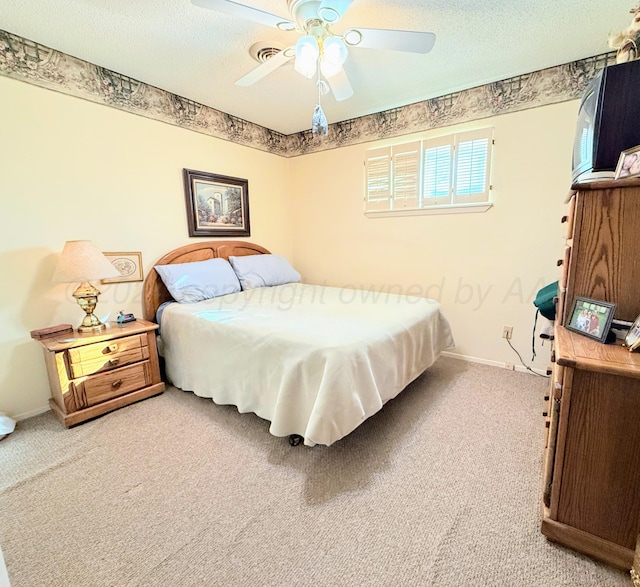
[{"x": 304, "y": 11}]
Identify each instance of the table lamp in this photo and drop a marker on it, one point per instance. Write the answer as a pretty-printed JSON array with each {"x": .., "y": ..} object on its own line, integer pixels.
[{"x": 81, "y": 261}]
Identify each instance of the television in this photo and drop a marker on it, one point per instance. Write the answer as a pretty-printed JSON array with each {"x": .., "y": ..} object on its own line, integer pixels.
[{"x": 608, "y": 122}]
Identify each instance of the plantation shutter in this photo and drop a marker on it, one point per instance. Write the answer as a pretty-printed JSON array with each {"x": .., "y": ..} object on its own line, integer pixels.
[
  {"x": 473, "y": 160},
  {"x": 437, "y": 170},
  {"x": 445, "y": 171},
  {"x": 406, "y": 175},
  {"x": 378, "y": 179}
]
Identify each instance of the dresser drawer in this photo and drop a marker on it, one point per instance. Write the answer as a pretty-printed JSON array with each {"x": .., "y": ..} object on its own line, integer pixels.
[
  {"x": 99, "y": 388},
  {"x": 106, "y": 349},
  {"x": 108, "y": 362}
]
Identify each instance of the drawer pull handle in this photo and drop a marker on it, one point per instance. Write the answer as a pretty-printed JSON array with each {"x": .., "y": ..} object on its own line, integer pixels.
[
  {"x": 114, "y": 362},
  {"x": 560, "y": 262},
  {"x": 117, "y": 383},
  {"x": 564, "y": 219},
  {"x": 112, "y": 348}
]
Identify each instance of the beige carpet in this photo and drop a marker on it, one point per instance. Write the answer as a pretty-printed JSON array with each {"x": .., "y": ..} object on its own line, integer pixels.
[{"x": 441, "y": 488}]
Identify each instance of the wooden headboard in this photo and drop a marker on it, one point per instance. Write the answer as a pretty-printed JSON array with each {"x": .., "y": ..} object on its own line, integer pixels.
[{"x": 155, "y": 292}]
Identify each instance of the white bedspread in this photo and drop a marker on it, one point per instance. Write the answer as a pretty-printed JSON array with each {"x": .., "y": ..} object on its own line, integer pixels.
[{"x": 314, "y": 361}]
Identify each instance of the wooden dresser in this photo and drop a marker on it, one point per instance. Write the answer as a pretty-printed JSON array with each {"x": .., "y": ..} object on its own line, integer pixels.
[
  {"x": 591, "y": 490},
  {"x": 92, "y": 374}
]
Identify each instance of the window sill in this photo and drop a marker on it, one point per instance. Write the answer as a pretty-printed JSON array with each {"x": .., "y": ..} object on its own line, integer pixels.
[{"x": 448, "y": 209}]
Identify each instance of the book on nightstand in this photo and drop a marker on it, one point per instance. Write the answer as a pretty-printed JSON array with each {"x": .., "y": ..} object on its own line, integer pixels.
[{"x": 51, "y": 331}]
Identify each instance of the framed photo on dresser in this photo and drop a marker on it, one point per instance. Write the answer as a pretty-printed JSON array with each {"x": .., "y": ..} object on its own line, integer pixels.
[
  {"x": 628, "y": 163},
  {"x": 632, "y": 342},
  {"x": 591, "y": 318}
]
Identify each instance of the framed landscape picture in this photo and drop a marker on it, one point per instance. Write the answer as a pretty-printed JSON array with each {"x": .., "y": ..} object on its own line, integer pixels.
[{"x": 217, "y": 205}]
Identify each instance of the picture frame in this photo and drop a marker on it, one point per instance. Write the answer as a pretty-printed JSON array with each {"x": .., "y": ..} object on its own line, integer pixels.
[
  {"x": 628, "y": 164},
  {"x": 217, "y": 205},
  {"x": 591, "y": 318},
  {"x": 128, "y": 264},
  {"x": 632, "y": 338}
]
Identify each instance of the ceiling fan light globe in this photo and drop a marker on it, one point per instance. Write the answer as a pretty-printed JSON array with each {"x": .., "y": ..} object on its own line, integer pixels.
[
  {"x": 307, "y": 48},
  {"x": 334, "y": 50},
  {"x": 305, "y": 69},
  {"x": 330, "y": 69},
  {"x": 307, "y": 53},
  {"x": 352, "y": 37}
]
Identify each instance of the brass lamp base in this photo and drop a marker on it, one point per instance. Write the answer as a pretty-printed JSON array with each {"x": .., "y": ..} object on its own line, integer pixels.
[{"x": 87, "y": 297}]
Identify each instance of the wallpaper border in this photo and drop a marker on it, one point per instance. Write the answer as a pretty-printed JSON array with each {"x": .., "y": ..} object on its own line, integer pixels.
[{"x": 31, "y": 62}]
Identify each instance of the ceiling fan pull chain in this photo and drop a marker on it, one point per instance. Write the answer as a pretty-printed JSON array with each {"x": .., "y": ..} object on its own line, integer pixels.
[{"x": 320, "y": 126}]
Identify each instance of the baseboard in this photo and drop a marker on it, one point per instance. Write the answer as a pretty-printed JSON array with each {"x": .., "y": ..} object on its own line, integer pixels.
[
  {"x": 499, "y": 364},
  {"x": 32, "y": 413}
]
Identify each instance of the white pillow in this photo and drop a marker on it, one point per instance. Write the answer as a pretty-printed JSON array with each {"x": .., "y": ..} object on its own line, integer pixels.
[
  {"x": 193, "y": 282},
  {"x": 263, "y": 270}
]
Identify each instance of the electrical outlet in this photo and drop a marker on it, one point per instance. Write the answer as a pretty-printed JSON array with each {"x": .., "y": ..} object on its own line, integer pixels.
[
  {"x": 510, "y": 366},
  {"x": 507, "y": 331}
]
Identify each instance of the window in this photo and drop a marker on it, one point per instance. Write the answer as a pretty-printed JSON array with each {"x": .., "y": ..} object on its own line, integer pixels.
[{"x": 450, "y": 171}]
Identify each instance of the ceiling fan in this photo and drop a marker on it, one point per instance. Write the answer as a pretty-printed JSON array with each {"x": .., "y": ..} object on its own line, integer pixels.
[{"x": 319, "y": 50}]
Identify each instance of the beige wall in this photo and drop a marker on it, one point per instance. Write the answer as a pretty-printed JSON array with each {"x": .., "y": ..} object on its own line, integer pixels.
[
  {"x": 71, "y": 169},
  {"x": 485, "y": 268}
]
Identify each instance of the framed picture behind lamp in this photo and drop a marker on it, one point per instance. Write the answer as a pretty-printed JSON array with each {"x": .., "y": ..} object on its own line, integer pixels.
[
  {"x": 129, "y": 265},
  {"x": 217, "y": 205},
  {"x": 591, "y": 318},
  {"x": 628, "y": 163}
]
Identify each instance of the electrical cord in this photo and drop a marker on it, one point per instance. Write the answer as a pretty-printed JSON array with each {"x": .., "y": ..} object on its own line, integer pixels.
[{"x": 522, "y": 361}]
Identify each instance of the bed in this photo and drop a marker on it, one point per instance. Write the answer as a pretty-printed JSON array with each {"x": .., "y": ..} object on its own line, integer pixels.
[{"x": 314, "y": 361}]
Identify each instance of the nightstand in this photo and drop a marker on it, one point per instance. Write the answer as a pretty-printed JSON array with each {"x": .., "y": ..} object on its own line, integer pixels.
[{"x": 91, "y": 374}]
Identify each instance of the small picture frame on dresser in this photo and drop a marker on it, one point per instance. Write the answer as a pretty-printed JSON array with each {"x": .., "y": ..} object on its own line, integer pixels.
[
  {"x": 591, "y": 318},
  {"x": 628, "y": 164},
  {"x": 632, "y": 338}
]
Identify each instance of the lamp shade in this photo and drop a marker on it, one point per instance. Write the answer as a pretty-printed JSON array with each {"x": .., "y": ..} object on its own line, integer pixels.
[{"x": 82, "y": 261}]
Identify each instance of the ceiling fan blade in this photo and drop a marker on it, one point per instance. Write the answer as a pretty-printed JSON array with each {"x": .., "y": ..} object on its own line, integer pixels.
[
  {"x": 267, "y": 67},
  {"x": 340, "y": 86},
  {"x": 412, "y": 41},
  {"x": 333, "y": 10},
  {"x": 247, "y": 12}
]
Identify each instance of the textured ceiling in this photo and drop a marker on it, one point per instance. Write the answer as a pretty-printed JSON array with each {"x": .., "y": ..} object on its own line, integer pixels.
[{"x": 199, "y": 54}]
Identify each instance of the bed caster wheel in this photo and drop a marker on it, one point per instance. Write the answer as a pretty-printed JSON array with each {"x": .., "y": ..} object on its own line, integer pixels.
[{"x": 295, "y": 439}]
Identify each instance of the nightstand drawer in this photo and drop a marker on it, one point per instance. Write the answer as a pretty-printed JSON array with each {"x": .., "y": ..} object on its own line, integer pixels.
[
  {"x": 106, "y": 349},
  {"x": 106, "y": 363},
  {"x": 102, "y": 387}
]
